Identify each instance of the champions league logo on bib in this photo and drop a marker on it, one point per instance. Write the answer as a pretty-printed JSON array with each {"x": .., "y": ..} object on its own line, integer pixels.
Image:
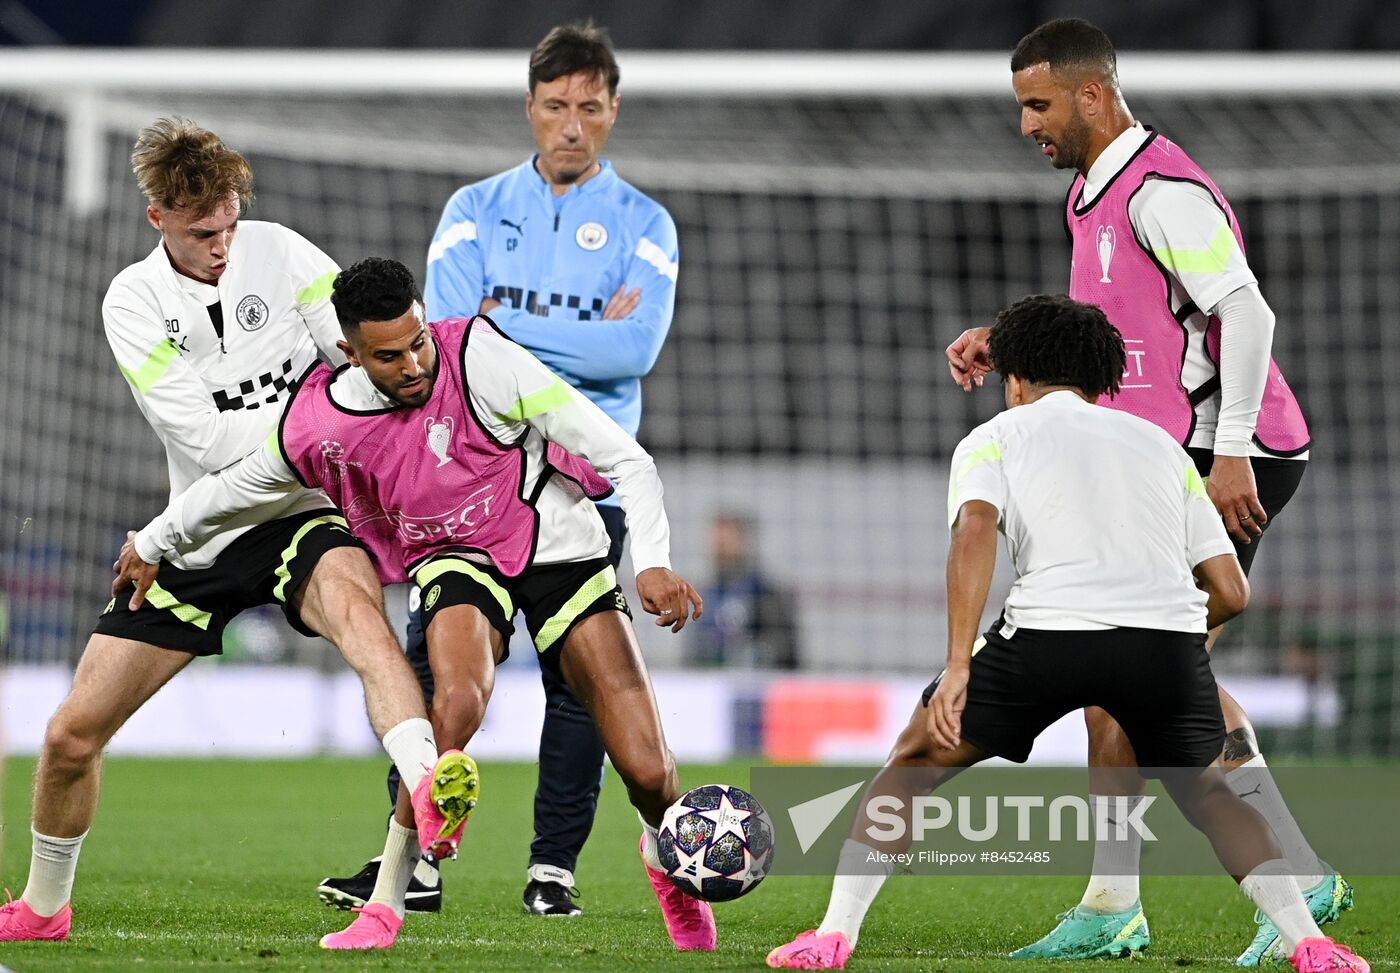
[
  {"x": 1106, "y": 239},
  {"x": 251, "y": 313},
  {"x": 591, "y": 236}
]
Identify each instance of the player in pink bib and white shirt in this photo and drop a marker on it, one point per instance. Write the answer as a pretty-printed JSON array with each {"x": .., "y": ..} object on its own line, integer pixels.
[
  {"x": 1157, "y": 246},
  {"x": 456, "y": 457}
]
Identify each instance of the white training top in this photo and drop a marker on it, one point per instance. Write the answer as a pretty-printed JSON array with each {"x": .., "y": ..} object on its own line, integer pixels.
[
  {"x": 1104, "y": 513},
  {"x": 1174, "y": 217},
  {"x": 499, "y": 373},
  {"x": 213, "y": 401}
]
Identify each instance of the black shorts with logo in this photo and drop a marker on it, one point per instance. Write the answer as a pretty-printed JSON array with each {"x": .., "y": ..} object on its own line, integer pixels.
[
  {"x": 1275, "y": 480},
  {"x": 1158, "y": 686},
  {"x": 554, "y": 597},
  {"x": 188, "y": 609}
]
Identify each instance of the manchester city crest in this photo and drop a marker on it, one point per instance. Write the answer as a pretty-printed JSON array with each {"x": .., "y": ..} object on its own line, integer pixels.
[
  {"x": 252, "y": 313},
  {"x": 591, "y": 236}
]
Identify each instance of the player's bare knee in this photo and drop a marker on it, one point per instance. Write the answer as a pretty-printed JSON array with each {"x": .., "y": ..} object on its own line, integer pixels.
[
  {"x": 458, "y": 709},
  {"x": 70, "y": 750},
  {"x": 653, "y": 775}
]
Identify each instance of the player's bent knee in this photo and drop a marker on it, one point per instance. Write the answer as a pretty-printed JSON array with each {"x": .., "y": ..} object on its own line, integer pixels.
[
  {"x": 457, "y": 712},
  {"x": 652, "y": 774},
  {"x": 67, "y": 748}
]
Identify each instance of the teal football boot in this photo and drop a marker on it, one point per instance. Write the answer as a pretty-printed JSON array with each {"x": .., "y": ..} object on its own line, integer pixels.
[{"x": 1082, "y": 934}]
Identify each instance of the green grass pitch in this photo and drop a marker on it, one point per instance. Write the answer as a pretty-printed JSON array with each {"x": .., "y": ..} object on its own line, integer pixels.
[{"x": 210, "y": 866}]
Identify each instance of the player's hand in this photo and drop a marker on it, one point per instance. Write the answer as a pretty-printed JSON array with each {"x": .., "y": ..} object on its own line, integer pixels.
[
  {"x": 621, "y": 304},
  {"x": 945, "y": 708},
  {"x": 488, "y": 304},
  {"x": 131, "y": 570},
  {"x": 668, "y": 596},
  {"x": 968, "y": 361},
  {"x": 1231, "y": 488}
]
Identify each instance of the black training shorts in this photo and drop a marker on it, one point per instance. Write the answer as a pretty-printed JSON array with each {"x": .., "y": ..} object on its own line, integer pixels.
[
  {"x": 1158, "y": 686},
  {"x": 554, "y": 597},
  {"x": 188, "y": 609}
]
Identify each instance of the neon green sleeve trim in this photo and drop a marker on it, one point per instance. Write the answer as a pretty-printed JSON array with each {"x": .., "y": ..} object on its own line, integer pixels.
[
  {"x": 274, "y": 443},
  {"x": 318, "y": 290},
  {"x": 1195, "y": 486},
  {"x": 157, "y": 363},
  {"x": 1212, "y": 260},
  {"x": 539, "y": 402},
  {"x": 991, "y": 452}
]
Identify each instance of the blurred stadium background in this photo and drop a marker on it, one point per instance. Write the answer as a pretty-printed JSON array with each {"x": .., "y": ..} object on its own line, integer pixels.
[{"x": 842, "y": 216}]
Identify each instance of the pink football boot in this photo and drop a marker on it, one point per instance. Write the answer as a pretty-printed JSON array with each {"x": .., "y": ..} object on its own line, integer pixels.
[
  {"x": 375, "y": 927},
  {"x": 1318, "y": 954},
  {"x": 689, "y": 921},
  {"x": 443, "y": 801},
  {"x": 19, "y": 922},
  {"x": 812, "y": 952}
]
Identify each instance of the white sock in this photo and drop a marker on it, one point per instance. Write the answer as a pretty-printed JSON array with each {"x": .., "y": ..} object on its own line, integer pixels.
[
  {"x": 52, "y": 865},
  {"x": 1253, "y": 782},
  {"x": 1274, "y": 892},
  {"x": 858, "y": 881},
  {"x": 413, "y": 749},
  {"x": 1113, "y": 887},
  {"x": 651, "y": 846},
  {"x": 396, "y": 868}
]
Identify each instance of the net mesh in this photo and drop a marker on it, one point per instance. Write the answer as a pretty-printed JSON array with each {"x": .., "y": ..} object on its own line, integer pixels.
[{"x": 830, "y": 249}]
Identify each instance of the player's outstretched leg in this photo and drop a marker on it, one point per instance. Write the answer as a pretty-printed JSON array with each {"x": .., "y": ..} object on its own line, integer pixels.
[
  {"x": 1108, "y": 921},
  {"x": 915, "y": 767},
  {"x": 463, "y": 649},
  {"x": 113, "y": 680},
  {"x": 425, "y": 889},
  {"x": 602, "y": 664},
  {"x": 1328, "y": 895},
  {"x": 1249, "y": 850}
]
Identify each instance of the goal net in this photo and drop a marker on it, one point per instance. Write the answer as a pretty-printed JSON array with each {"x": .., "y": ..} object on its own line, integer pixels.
[{"x": 833, "y": 241}]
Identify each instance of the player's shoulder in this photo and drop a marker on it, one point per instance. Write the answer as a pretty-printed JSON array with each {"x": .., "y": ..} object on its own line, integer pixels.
[
  {"x": 136, "y": 282},
  {"x": 994, "y": 430},
  {"x": 268, "y": 236},
  {"x": 1173, "y": 197}
]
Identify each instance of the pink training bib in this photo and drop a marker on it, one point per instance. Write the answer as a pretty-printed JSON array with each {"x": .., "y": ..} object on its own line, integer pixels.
[
  {"x": 1113, "y": 270},
  {"x": 414, "y": 482}
]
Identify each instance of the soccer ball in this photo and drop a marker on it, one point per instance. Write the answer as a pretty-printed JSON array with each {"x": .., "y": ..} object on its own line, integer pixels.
[{"x": 716, "y": 843}]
